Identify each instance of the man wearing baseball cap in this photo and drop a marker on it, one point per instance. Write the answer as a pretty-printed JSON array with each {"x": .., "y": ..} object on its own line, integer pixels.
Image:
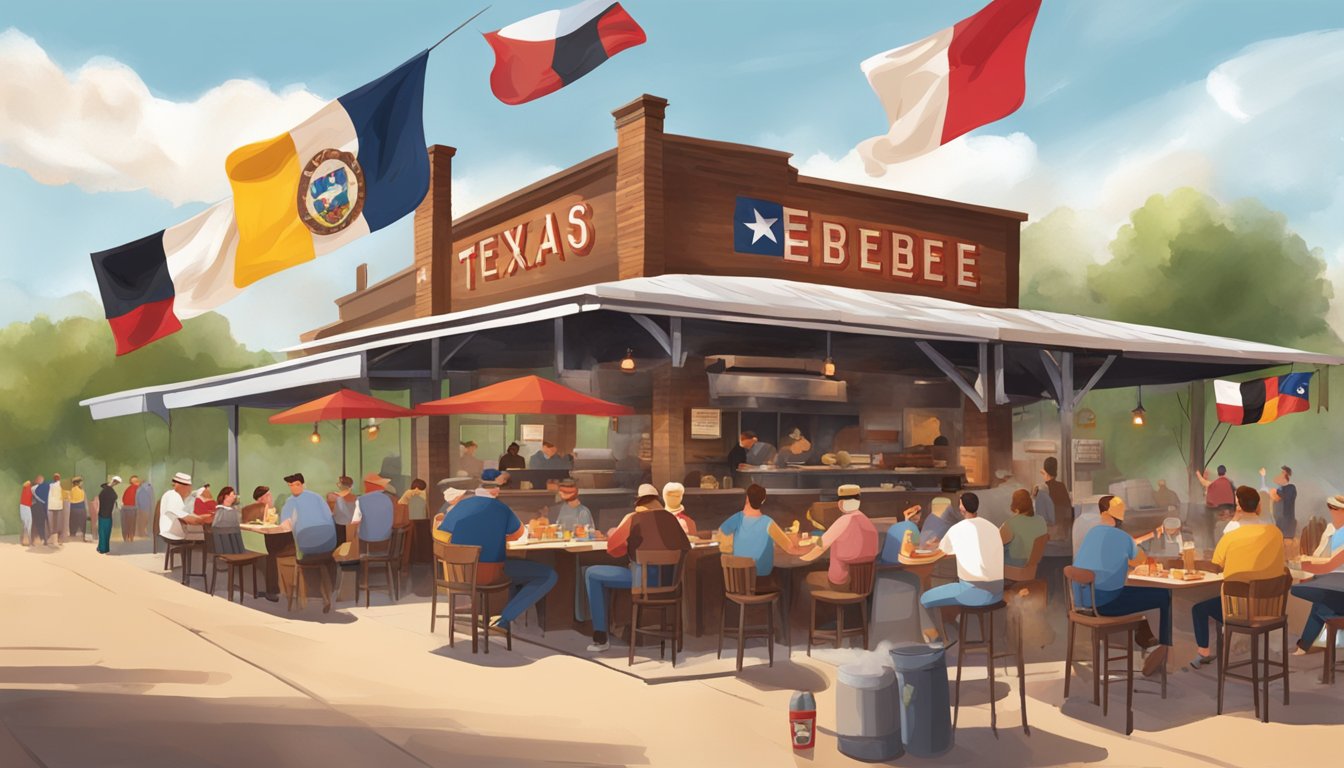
[
  {"x": 107, "y": 501},
  {"x": 1325, "y": 592},
  {"x": 650, "y": 528},
  {"x": 851, "y": 539}
]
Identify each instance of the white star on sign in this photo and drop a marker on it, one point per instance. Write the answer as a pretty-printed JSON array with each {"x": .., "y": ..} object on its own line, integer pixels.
[{"x": 761, "y": 227}]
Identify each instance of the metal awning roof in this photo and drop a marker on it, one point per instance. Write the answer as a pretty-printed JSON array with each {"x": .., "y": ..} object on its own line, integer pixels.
[{"x": 743, "y": 300}]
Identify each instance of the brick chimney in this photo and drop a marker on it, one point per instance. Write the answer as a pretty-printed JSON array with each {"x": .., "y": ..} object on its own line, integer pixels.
[
  {"x": 639, "y": 186},
  {"x": 361, "y": 278},
  {"x": 434, "y": 236}
]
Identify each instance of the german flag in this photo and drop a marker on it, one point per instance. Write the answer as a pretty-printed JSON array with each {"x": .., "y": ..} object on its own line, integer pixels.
[{"x": 1262, "y": 400}]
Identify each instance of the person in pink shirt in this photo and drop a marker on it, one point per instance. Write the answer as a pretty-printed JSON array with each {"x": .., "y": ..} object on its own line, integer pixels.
[{"x": 851, "y": 539}]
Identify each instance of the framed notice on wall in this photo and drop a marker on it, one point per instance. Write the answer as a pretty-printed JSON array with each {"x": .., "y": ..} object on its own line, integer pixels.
[
  {"x": 1088, "y": 452},
  {"x": 533, "y": 433},
  {"x": 705, "y": 424}
]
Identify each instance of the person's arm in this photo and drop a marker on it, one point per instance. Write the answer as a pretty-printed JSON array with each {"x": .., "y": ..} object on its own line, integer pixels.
[
  {"x": 1150, "y": 534},
  {"x": 1219, "y": 559},
  {"x": 824, "y": 543},
  {"x": 782, "y": 540},
  {"x": 1136, "y": 555},
  {"x": 443, "y": 530},
  {"x": 619, "y": 539},
  {"x": 1203, "y": 479},
  {"x": 514, "y": 531},
  {"x": 1335, "y": 561},
  {"x": 1005, "y": 533}
]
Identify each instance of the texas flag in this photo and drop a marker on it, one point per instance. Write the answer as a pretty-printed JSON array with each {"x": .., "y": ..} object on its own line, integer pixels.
[
  {"x": 758, "y": 227},
  {"x": 544, "y": 53},
  {"x": 951, "y": 82},
  {"x": 1262, "y": 400}
]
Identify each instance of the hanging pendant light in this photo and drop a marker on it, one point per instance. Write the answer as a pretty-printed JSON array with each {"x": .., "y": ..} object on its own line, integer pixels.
[
  {"x": 315, "y": 438},
  {"x": 828, "y": 365},
  {"x": 628, "y": 363},
  {"x": 372, "y": 429},
  {"x": 1139, "y": 414}
]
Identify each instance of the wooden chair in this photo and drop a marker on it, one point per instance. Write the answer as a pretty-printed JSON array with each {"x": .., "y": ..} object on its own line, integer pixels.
[
  {"x": 305, "y": 565},
  {"x": 388, "y": 557},
  {"x": 739, "y": 588},
  {"x": 986, "y": 643},
  {"x": 664, "y": 598},
  {"x": 182, "y": 550},
  {"x": 455, "y": 569},
  {"x": 1310, "y": 538},
  {"x": 233, "y": 564},
  {"x": 1102, "y": 628},
  {"x": 1255, "y": 608},
  {"x": 1015, "y": 573},
  {"x": 823, "y": 514},
  {"x": 1332, "y": 628},
  {"x": 861, "y": 577}
]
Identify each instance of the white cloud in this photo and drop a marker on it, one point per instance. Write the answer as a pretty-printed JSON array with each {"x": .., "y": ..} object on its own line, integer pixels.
[
  {"x": 1265, "y": 123},
  {"x": 101, "y": 128}
]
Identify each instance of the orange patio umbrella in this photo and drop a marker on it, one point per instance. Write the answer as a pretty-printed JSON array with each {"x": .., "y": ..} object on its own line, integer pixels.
[
  {"x": 343, "y": 404},
  {"x": 525, "y": 395}
]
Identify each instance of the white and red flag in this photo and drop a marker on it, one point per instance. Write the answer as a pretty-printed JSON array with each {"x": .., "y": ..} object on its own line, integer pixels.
[
  {"x": 949, "y": 83},
  {"x": 544, "y": 53}
]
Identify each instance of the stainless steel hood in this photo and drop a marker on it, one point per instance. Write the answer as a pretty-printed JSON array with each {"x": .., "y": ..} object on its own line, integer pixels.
[{"x": 776, "y": 387}]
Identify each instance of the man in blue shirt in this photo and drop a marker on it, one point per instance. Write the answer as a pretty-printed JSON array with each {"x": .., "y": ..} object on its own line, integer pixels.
[
  {"x": 307, "y": 515},
  {"x": 758, "y": 453},
  {"x": 374, "y": 511},
  {"x": 891, "y": 544},
  {"x": 548, "y": 458},
  {"x": 1284, "y": 494},
  {"x": 755, "y": 536},
  {"x": 1108, "y": 552},
  {"x": 570, "y": 512},
  {"x": 940, "y": 520},
  {"x": 486, "y": 522}
]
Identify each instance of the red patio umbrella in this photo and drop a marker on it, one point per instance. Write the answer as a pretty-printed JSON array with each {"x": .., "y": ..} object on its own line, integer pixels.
[
  {"x": 343, "y": 404},
  {"x": 525, "y": 395}
]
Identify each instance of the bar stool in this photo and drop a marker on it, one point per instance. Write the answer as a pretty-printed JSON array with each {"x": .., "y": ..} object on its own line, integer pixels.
[
  {"x": 389, "y": 560},
  {"x": 455, "y": 569},
  {"x": 303, "y": 565},
  {"x": 861, "y": 577},
  {"x": 1103, "y": 627},
  {"x": 663, "y": 598},
  {"x": 1255, "y": 608},
  {"x": 739, "y": 588},
  {"x": 1332, "y": 628},
  {"x": 986, "y": 643}
]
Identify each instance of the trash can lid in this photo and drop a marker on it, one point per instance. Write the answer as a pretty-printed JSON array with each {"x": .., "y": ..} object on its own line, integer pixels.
[
  {"x": 916, "y": 656},
  {"x": 870, "y": 675}
]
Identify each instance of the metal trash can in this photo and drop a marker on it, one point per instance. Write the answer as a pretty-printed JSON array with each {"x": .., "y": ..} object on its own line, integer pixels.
[
  {"x": 921, "y": 692},
  {"x": 867, "y": 720}
]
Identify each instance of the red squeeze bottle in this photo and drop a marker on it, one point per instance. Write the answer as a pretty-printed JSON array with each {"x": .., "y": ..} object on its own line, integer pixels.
[{"x": 802, "y": 720}]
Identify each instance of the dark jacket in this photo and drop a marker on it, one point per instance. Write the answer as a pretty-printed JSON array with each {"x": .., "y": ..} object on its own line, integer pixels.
[
  {"x": 107, "y": 501},
  {"x": 651, "y": 528}
]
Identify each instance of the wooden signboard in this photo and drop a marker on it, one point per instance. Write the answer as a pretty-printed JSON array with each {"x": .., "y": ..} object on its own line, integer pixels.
[{"x": 706, "y": 424}]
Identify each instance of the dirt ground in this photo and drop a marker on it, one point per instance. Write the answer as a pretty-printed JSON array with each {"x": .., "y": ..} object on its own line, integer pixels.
[{"x": 104, "y": 662}]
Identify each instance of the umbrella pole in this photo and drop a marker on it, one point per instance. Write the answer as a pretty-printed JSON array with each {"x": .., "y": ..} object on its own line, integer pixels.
[{"x": 343, "y": 451}]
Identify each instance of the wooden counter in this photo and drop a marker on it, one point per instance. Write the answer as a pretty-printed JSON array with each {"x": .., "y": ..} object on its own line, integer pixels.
[{"x": 829, "y": 478}]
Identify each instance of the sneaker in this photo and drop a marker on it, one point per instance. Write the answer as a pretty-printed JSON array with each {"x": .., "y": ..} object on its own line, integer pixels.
[
  {"x": 499, "y": 623},
  {"x": 1156, "y": 657},
  {"x": 1299, "y": 651},
  {"x": 596, "y": 647},
  {"x": 1199, "y": 662}
]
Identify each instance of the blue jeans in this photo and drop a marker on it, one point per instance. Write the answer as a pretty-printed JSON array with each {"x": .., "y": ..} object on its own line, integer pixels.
[
  {"x": 600, "y": 578},
  {"x": 532, "y": 580},
  {"x": 104, "y": 534},
  {"x": 972, "y": 594},
  {"x": 1138, "y": 599},
  {"x": 1326, "y": 595},
  {"x": 1201, "y": 613}
]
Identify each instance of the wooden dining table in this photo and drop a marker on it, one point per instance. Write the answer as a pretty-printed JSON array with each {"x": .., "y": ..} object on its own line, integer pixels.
[{"x": 276, "y": 544}]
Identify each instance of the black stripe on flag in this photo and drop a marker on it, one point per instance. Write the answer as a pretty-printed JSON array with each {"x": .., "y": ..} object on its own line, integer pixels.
[
  {"x": 1252, "y": 401},
  {"x": 581, "y": 51},
  {"x": 132, "y": 275}
]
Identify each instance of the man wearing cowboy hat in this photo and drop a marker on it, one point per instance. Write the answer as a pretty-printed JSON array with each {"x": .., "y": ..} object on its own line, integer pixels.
[
  {"x": 173, "y": 512},
  {"x": 851, "y": 539},
  {"x": 374, "y": 511}
]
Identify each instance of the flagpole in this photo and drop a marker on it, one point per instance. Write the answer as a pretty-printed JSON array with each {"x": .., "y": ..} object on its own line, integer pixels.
[{"x": 459, "y": 26}]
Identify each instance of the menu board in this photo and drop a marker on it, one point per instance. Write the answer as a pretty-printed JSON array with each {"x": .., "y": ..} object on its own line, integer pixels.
[
  {"x": 1087, "y": 452},
  {"x": 705, "y": 424},
  {"x": 533, "y": 433}
]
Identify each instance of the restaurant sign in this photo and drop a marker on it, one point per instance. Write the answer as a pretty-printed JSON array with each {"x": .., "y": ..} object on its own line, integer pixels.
[
  {"x": 528, "y": 245},
  {"x": 900, "y": 254}
]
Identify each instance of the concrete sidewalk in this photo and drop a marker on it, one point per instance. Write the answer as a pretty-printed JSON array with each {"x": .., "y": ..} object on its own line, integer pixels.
[{"x": 104, "y": 662}]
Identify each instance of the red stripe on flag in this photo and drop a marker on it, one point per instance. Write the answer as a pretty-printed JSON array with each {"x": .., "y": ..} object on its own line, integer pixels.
[
  {"x": 1231, "y": 414},
  {"x": 144, "y": 324},
  {"x": 987, "y": 65},
  {"x": 523, "y": 69},
  {"x": 618, "y": 31}
]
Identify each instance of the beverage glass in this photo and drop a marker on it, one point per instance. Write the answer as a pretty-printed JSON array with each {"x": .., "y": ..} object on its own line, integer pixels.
[{"x": 1188, "y": 555}]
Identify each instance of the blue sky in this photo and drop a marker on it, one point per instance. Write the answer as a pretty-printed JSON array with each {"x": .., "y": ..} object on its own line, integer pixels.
[{"x": 1114, "y": 87}]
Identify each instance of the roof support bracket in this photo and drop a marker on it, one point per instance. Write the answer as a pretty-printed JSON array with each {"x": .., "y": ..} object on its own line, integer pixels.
[
  {"x": 656, "y": 331},
  {"x": 1000, "y": 393},
  {"x": 1092, "y": 382},
  {"x": 678, "y": 354},
  {"x": 1052, "y": 370},
  {"x": 443, "y": 363},
  {"x": 973, "y": 392}
]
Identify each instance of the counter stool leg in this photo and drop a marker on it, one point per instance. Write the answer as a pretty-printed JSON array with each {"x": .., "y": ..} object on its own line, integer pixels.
[
  {"x": 1255, "y": 673},
  {"x": 1265, "y": 693},
  {"x": 1022, "y": 679},
  {"x": 1106, "y": 671},
  {"x": 1129, "y": 684},
  {"x": 1283, "y": 633},
  {"x": 811, "y": 628},
  {"x": 956, "y": 690},
  {"x": 1096, "y": 668},
  {"x": 770, "y": 634},
  {"x": 989, "y": 664},
  {"x": 1068, "y": 660},
  {"x": 1224, "y": 644},
  {"x": 723, "y": 619},
  {"x": 741, "y": 633}
]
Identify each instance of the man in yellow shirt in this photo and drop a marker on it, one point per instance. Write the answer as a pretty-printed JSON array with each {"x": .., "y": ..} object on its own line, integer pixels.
[{"x": 1253, "y": 551}]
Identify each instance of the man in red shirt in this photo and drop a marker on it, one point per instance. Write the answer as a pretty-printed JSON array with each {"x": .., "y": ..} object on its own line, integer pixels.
[
  {"x": 129, "y": 510},
  {"x": 1220, "y": 499}
]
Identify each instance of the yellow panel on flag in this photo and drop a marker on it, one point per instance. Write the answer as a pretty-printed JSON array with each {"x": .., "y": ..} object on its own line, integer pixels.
[{"x": 271, "y": 236}]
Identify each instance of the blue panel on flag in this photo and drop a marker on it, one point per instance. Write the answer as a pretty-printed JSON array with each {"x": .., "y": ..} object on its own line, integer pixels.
[
  {"x": 758, "y": 227},
  {"x": 1294, "y": 384}
]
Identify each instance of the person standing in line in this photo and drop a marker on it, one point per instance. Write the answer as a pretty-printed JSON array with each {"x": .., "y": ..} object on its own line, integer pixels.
[
  {"x": 79, "y": 510},
  {"x": 144, "y": 508},
  {"x": 1060, "y": 500},
  {"x": 468, "y": 462},
  {"x": 1020, "y": 531},
  {"x": 1219, "y": 500},
  {"x": 26, "y": 512},
  {"x": 107, "y": 502},
  {"x": 129, "y": 510},
  {"x": 56, "y": 511},
  {"x": 40, "y": 491},
  {"x": 1284, "y": 494}
]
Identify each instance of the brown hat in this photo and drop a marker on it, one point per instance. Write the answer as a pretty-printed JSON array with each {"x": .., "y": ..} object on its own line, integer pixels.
[{"x": 373, "y": 478}]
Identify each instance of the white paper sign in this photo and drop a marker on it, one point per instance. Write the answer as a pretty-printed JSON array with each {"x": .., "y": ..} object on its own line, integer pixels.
[
  {"x": 533, "y": 433},
  {"x": 705, "y": 424}
]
